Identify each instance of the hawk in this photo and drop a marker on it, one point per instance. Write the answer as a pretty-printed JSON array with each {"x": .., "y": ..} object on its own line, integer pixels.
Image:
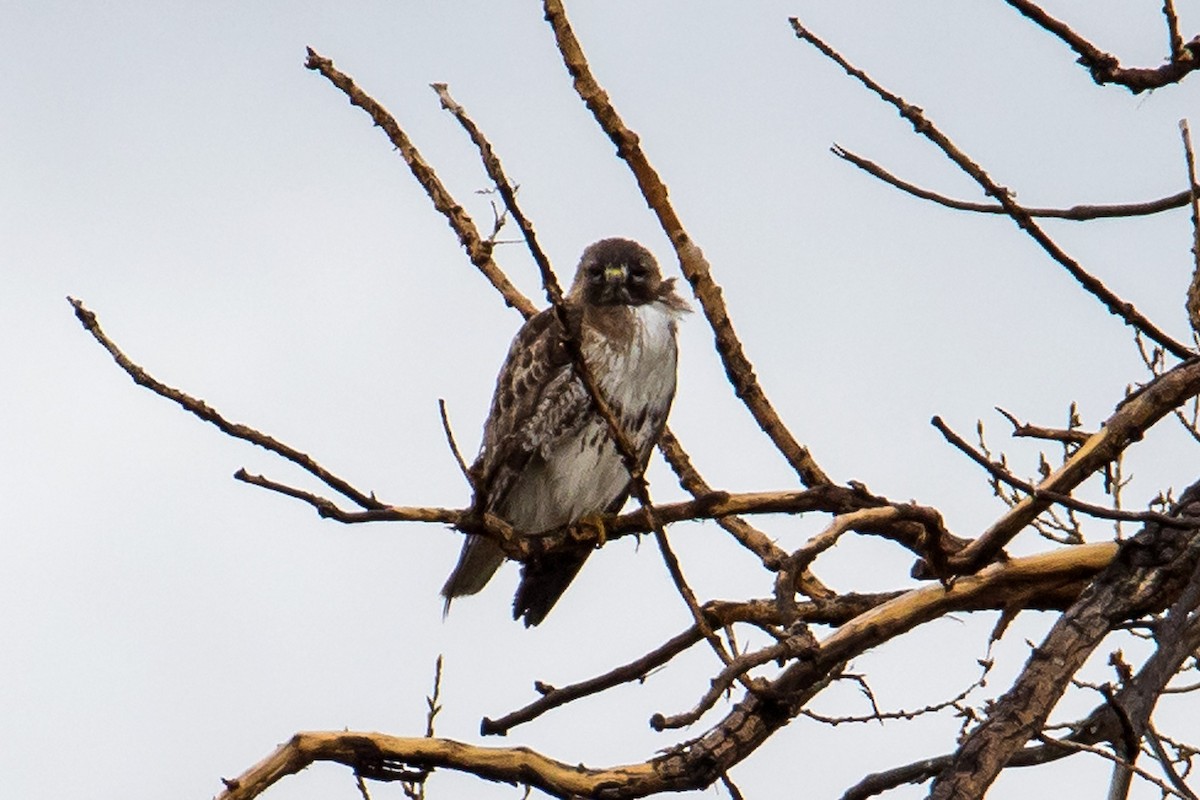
[{"x": 548, "y": 458}]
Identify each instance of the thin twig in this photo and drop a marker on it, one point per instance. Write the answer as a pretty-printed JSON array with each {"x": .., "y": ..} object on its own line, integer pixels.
[
  {"x": 1120, "y": 762},
  {"x": 1076, "y": 213},
  {"x": 922, "y": 125},
  {"x": 1033, "y": 491},
  {"x": 210, "y": 415},
  {"x": 1024, "y": 429},
  {"x": 462, "y": 465},
  {"x": 478, "y": 249},
  {"x": 1168, "y": 766},
  {"x": 789, "y": 648}
]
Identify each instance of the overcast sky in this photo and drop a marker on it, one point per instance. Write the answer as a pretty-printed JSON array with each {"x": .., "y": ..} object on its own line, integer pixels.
[{"x": 248, "y": 236}]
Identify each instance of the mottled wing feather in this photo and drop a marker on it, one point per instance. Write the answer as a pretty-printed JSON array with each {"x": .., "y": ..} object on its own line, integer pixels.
[
  {"x": 534, "y": 398},
  {"x": 536, "y": 401}
]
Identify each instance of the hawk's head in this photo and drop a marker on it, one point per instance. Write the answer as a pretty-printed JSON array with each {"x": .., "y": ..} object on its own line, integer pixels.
[{"x": 618, "y": 272}]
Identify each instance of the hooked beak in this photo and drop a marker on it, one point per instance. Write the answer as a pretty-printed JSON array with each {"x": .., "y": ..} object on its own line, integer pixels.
[{"x": 614, "y": 273}]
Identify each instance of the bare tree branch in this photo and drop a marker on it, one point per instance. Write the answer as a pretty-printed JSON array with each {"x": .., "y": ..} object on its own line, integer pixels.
[
  {"x": 478, "y": 249},
  {"x": 202, "y": 410},
  {"x": 691, "y": 260},
  {"x": 1077, "y": 213},
  {"x": 1105, "y": 68},
  {"x": 1152, "y": 565},
  {"x": 922, "y": 125}
]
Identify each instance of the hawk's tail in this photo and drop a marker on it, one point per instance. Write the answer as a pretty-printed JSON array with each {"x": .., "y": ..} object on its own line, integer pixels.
[
  {"x": 543, "y": 581},
  {"x": 478, "y": 562}
]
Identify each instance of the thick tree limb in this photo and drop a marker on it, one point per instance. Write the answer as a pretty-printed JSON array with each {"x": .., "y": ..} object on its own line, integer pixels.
[
  {"x": 1136, "y": 415},
  {"x": 1149, "y": 570},
  {"x": 702, "y": 761}
]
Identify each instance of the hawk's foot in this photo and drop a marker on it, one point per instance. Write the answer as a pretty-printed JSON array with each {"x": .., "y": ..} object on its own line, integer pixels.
[{"x": 591, "y": 527}]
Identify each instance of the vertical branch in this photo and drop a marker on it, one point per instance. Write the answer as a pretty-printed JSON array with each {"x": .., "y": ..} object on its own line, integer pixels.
[
  {"x": 1193, "y": 294},
  {"x": 1176, "y": 40},
  {"x": 691, "y": 260}
]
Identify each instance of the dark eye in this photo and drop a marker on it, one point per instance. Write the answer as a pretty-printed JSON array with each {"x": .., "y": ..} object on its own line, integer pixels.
[
  {"x": 638, "y": 271},
  {"x": 595, "y": 272}
]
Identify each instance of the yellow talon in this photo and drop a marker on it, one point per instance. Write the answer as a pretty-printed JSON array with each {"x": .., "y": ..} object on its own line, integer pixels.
[{"x": 594, "y": 522}]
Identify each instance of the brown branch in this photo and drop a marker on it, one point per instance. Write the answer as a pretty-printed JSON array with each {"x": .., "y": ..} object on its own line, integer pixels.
[
  {"x": 922, "y": 125},
  {"x": 478, "y": 249},
  {"x": 789, "y": 648},
  {"x": 1121, "y": 763},
  {"x": 1024, "y": 429},
  {"x": 701, "y": 763},
  {"x": 1174, "y": 38},
  {"x": 1076, "y": 213},
  {"x": 1105, "y": 68},
  {"x": 690, "y": 479},
  {"x": 691, "y": 260},
  {"x": 1148, "y": 571},
  {"x": 205, "y": 412},
  {"x": 1137, "y": 414},
  {"x": 1101, "y": 725},
  {"x": 826, "y": 611},
  {"x": 1001, "y": 474},
  {"x": 1193, "y": 293},
  {"x": 458, "y": 458}
]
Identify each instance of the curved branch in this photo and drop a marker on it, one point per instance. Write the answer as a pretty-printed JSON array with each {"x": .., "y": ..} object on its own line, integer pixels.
[
  {"x": 1105, "y": 68},
  {"x": 1149, "y": 569},
  {"x": 1078, "y": 213}
]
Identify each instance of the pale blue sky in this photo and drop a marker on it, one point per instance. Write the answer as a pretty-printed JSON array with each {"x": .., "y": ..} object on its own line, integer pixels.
[{"x": 247, "y": 236}]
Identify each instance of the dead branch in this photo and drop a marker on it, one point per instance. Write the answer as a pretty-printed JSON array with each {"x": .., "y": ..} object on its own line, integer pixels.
[
  {"x": 922, "y": 125},
  {"x": 1136, "y": 414},
  {"x": 1105, "y": 68},
  {"x": 1076, "y": 213},
  {"x": 699, "y": 763},
  {"x": 1149, "y": 571},
  {"x": 1193, "y": 292},
  {"x": 1001, "y": 474},
  {"x": 202, "y": 410},
  {"x": 1025, "y": 429},
  {"x": 691, "y": 260},
  {"x": 478, "y": 249}
]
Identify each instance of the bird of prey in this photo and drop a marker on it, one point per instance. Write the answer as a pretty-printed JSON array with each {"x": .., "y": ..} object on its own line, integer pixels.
[{"x": 548, "y": 458}]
